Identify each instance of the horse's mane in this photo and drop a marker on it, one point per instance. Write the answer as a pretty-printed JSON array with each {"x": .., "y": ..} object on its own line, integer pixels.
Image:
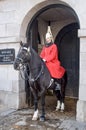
[
  {"x": 36, "y": 57},
  {"x": 35, "y": 53}
]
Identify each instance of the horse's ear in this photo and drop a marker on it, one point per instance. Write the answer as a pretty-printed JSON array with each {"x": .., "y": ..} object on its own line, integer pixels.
[{"x": 21, "y": 43}]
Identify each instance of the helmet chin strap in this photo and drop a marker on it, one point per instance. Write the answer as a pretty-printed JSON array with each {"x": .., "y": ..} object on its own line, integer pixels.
[{"x": 48, "y": 44}]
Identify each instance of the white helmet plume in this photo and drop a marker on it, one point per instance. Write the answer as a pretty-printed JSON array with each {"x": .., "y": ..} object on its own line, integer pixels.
[{"x": 49, "y": 33}]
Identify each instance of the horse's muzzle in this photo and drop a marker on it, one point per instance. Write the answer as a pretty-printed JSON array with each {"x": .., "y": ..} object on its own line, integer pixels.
[{"x": 16, "y": 64}]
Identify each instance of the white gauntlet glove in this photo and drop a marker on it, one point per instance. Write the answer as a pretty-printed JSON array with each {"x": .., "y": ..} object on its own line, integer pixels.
[{"x": 44, "y": 60}]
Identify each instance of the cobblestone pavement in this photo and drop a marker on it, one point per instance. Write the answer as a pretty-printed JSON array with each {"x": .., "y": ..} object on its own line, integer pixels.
[{"x": 21, "y": 120}]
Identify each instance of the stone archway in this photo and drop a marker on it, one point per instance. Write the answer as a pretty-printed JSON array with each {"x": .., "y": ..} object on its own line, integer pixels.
[
  {"x": 36, "y": 11},
  {"x": 32, "y": 25}
]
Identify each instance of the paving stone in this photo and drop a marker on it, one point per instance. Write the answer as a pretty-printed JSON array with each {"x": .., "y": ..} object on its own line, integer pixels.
[{"x": 6, "y": 112}]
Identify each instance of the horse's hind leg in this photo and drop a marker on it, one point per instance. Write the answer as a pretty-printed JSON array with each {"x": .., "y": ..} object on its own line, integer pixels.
[
  {"x": 63, "y": 85},
  {"x": 62, "y": 103},
  {"x": 60, "y": 94},
  {"x": 58, "y": 100}
]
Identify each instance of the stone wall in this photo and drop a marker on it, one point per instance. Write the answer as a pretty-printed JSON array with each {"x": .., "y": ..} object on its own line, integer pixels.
[{"x": 12, "y": 88}]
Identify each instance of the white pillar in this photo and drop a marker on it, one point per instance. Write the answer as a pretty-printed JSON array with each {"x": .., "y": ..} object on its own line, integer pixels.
[{"x": 81, "y": 104}]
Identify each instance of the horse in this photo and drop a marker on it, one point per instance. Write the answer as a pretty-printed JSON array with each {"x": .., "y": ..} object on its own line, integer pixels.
[{"x": 39, "y": 79}]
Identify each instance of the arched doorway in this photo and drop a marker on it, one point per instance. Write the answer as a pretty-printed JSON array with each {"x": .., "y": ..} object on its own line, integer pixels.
[{"x": 53, "y": 13}]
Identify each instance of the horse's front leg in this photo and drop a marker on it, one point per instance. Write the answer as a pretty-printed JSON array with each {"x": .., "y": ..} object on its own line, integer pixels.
[
  {"x": 36, "y": 112},
  {"x": 42, "y": 117}
]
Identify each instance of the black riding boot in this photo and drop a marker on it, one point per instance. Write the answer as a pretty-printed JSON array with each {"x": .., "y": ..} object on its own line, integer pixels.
[{"x": 57, "y": 85}]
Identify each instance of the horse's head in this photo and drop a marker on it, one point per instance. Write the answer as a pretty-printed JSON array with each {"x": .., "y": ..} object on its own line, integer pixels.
[{"x": 23, "y": 56}]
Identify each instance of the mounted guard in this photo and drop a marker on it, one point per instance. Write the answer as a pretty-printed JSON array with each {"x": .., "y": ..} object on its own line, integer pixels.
[{"x": 42, "y": 74}]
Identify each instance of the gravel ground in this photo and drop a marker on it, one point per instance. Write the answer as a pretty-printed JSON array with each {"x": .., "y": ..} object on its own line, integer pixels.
[{"x": 22, "y": 119}]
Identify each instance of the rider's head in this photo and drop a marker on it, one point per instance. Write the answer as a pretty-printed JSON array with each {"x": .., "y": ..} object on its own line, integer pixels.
[{"x": 49, "y": 37}]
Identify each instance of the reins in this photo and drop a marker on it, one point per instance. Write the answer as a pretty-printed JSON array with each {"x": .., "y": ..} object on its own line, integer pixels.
[
  {"x": 25, "y": 73},
  {"x": 27, "y": 76}
]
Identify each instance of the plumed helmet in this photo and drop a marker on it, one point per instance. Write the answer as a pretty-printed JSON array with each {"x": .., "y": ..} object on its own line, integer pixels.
[{"x": 49, "y": 34}]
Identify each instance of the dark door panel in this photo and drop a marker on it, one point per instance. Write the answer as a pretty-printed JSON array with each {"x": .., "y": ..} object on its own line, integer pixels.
[{"x": 68, "y": 45}]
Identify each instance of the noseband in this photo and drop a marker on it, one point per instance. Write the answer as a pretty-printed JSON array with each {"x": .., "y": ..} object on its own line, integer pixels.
[{"x": 20, "y": 59}]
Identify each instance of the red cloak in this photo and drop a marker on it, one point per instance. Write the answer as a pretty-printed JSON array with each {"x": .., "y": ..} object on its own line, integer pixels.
[{"x": 50, "y": 54}]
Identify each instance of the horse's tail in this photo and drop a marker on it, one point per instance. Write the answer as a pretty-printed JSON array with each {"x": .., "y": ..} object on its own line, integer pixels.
[{"x": 65, "y": 77}]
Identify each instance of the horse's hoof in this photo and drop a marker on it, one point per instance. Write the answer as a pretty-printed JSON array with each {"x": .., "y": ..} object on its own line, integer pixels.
[
  {"x": 57, "y": 109},
  {"x": 34, "y": 118},
  {"x": 42, "y": 118},
  {"x": 61, "y": 110}
]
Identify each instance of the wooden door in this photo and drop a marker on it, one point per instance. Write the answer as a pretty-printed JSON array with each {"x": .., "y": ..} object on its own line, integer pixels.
[{"x": 68, "y": 45}]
